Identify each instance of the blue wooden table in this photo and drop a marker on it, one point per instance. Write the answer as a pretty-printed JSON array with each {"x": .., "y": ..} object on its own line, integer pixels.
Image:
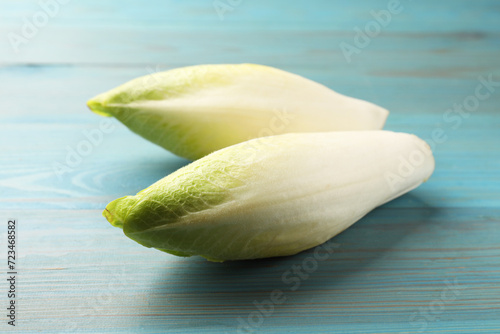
[{"x": 428, "y": 262}]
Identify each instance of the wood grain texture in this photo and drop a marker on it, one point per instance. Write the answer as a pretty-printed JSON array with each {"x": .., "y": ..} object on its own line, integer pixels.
[{"x": 428, "y": 262}]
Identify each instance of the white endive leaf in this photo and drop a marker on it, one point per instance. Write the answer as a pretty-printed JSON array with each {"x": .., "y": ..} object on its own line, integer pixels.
[
  {"x": 196, "y": 110},
  {"x": 273, "y": 196}
]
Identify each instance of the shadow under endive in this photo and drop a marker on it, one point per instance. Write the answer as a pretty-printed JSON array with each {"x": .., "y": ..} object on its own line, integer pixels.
[{"x": 220, "y": 293}]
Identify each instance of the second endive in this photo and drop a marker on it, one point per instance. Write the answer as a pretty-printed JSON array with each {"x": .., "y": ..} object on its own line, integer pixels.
[
  {"x": 196, "y": 110},
  {"x": 273, "y": 196}
]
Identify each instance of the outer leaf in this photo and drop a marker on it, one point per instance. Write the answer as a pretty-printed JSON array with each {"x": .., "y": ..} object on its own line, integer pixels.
[{"x": 196, "y": 110}]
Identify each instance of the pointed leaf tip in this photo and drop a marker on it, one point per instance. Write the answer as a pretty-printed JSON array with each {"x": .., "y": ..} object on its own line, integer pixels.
[{"x": 95, "y": 105}]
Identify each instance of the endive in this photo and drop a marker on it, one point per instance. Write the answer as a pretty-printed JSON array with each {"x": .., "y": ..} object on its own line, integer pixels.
[
  {"x": 273, "y": 196},
  {"x": 196, "y": 110}
]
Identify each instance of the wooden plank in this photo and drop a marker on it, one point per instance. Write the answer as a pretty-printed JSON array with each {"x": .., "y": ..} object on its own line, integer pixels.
[
  {"x": 172, "y": 33},
  {"x": 175, "y": 48},
  {"x": 416, "y": 16}
]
